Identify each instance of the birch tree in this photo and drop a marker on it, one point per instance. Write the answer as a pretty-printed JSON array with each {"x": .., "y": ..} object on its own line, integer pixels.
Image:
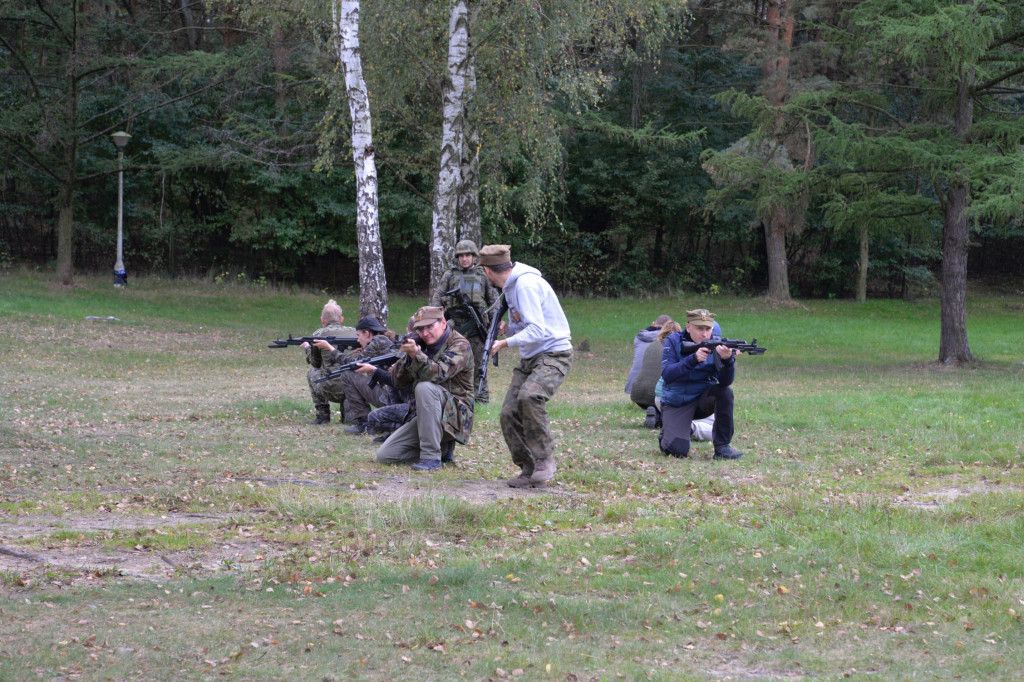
[
  {"x": 373, "y": 294},
  {"x": 469, "y": 187},
  {"x": 449, "y": 180}
]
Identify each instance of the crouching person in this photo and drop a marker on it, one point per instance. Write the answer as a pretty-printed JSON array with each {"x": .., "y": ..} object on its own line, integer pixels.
[
  {"x": 440, "y": 375},
  {"x": 697, "y": 385}
]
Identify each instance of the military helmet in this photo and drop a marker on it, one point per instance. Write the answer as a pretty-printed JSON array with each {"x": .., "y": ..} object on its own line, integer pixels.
[{"x": 465, "y": 246}]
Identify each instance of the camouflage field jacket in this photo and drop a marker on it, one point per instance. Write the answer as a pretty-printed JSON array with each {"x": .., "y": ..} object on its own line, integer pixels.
[
  {"x": 320, "y": 360},
  {"x": 379, "y": 345},
  {"x": 450, "y": 366},
  {"x": 477, "y": 291}
]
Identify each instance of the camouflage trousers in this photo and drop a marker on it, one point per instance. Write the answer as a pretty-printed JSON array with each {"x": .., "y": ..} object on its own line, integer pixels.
[
  {"x": 524, "y": 414},
  {"x": 359, "y": 397},
  {"x": 388, "y": 418},
  {"x": 325, "y": 393}
]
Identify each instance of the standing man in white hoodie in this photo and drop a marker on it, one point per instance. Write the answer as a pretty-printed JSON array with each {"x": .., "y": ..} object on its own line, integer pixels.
[{"x": 538, "y": 328}]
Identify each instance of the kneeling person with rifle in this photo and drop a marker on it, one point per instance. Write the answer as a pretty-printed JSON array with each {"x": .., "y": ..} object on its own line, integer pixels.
[
  {"x": 361, "y": 393},
  {"x": 466, "y": 294},
  {"x": 698, "y": 370},
  {"x": 326, "y": 392},
  {"x": 440, "y": 374}
]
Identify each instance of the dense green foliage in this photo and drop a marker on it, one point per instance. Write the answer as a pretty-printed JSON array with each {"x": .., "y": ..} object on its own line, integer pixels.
[{"x": 594, "y": 120}]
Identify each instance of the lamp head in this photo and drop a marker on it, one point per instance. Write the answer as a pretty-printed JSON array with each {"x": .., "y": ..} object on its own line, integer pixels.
[{"x": 121, "y": 138}]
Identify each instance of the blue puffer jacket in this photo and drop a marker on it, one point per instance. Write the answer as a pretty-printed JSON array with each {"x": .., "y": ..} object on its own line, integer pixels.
[{"x": 685, "y": 378}]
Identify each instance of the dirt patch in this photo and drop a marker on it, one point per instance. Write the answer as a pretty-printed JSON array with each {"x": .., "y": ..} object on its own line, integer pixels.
[
  {"x": 935, "y": 499},
  {"x": 404, "y": 487},
  {"x": 82, "y": 561}
]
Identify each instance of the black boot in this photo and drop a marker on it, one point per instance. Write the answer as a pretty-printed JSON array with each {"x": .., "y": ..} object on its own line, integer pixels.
[
  {"x": 651, "y": 421},
  {"x": 323, "y": 415},
  {"x": 357, "y": 428}
]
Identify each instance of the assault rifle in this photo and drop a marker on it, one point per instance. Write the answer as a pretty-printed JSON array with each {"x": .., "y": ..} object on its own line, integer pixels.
[
  {"x": 381, "y": 361},
  {"x": 339, "y": 342},
  {"x": 492, "y": 335},
  {"x": 467, "y": 308},
  {"x": 689, "y": 347}
]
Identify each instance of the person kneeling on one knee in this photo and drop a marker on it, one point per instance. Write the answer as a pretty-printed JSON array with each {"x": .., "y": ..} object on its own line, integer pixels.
[
  {"x": 696, "y": 385},
  {"x": 440, "y": 374}
]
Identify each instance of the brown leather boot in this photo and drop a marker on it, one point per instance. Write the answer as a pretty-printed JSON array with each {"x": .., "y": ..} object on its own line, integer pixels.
[
  {"x": 522, "y": 480},
  {"x": 543, "y": 470}
]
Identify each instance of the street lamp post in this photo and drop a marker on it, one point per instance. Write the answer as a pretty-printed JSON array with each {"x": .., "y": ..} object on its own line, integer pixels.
[{"x": 120, "y": 276}]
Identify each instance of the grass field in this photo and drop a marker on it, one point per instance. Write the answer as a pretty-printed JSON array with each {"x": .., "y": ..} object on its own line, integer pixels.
[{"x": 166, "y": 513}]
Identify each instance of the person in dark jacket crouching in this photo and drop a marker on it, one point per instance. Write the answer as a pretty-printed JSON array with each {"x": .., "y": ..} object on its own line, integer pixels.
[{"x": 696, "y": 384}]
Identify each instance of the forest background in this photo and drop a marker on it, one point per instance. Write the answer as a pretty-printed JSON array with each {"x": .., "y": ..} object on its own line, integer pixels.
[{"x": 810, "y": 148}]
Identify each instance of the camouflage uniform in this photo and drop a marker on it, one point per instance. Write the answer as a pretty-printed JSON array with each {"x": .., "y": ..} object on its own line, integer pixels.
[
  {"x": 359, "y": 397},
  {"x": 331, "y": 391},
  {"x": 481, "y": 295},
  {"x": 388, "y": 418},
  {"x": 524, "y": 414},
  {"x": 446, "y": 374}
]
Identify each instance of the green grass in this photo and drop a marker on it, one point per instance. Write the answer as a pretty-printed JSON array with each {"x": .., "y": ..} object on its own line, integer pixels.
[{"x": 195, "y": 528}]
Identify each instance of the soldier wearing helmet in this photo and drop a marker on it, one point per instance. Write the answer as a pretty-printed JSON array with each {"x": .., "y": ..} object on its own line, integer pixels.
[{"x": 463, "y": 291}]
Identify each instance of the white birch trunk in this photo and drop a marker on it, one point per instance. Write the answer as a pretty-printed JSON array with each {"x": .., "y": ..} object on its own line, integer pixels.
[
  {"x": 449, "y": 179},
  {"x": 373, "y": 292},
  {"x": 469, "y": 191}
]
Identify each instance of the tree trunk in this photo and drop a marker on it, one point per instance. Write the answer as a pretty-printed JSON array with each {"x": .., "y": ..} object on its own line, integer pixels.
[
  {"x": 953, "y": 346},
  {"x": 373, "y": 292},
  {"x": 282, "y": 56},
  {"x": 775, "y": 245},
  {"x": 66, "y": 232},
  {"x": 190, "y": 23},
  {"x": 66, "y": 196},
  {"x": 776, "y": 76},
  {"x": 862, "y": 267},
  {"x": 469, "y": 189},
  {"x": 449, "y": 179}
]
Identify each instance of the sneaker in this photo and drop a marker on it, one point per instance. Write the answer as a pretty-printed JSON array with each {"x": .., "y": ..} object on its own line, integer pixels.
[
  {"x": 427, "y": 465},
  {"x": 357, "y": 428},
  {"x": 727, "y": 452},
  {"x": 543, "y": 470},
  {"x": 448, "y": 453},
  {"x": 651, "y": 422}
]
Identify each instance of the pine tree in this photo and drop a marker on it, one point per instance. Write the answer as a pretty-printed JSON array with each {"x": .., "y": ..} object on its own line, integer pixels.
[{"x": 931, "y": 123}]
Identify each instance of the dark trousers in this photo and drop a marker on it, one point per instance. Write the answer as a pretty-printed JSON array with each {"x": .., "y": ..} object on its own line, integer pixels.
[{"x": 676, "y": 421}]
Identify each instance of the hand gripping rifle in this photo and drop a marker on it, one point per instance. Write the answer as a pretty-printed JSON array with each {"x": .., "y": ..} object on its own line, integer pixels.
[
  {"x": 381, "y": 361},
  {"x": 467, "y": 308},
  {"x": 339, "y": 342},
  {"x": 500, "y": 308}
]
